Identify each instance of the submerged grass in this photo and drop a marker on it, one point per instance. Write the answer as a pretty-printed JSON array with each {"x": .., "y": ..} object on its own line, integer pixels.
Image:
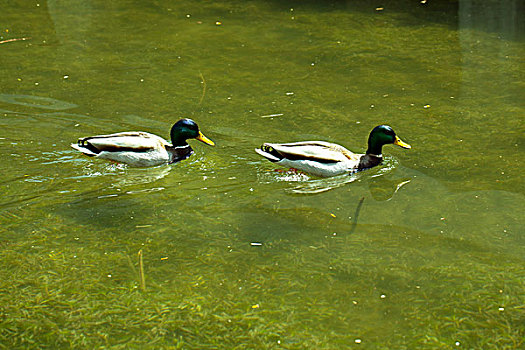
[
  {"x": 142, "y": 277},
  {"x": 370, "y": 286}
]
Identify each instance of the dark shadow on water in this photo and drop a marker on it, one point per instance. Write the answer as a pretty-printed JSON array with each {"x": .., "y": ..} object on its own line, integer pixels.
[
  {"x": 356, "y": 215},
  {"x": 505, "y": 18}
]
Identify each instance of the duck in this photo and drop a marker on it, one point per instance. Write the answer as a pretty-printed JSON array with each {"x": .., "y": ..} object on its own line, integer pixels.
[
  {"x": 326, "y": 159},
  {"x": 142, "y": 149}
]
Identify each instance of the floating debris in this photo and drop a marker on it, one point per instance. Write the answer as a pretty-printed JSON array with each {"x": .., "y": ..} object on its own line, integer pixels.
[
  {"x": 401, "y": 185},
  {"x": 272, "y": 115},
  {"x": 107, "y": 196},
  {"x": 14, "y": 39}
]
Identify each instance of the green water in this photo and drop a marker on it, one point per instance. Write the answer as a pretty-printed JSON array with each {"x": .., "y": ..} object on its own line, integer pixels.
[{"x": 425, "y": 252}]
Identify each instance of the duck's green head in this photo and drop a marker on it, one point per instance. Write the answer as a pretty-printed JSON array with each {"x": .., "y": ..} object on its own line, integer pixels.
[
  {"x": 383, "y": 135},
  {"x": 187, "y": 129}
]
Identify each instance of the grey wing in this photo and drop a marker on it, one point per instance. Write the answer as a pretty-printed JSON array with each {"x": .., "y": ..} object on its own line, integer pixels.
[{"x": 123, "y": 142}]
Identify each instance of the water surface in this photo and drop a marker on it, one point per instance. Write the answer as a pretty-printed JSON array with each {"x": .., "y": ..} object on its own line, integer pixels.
[{"x": 425, "y": 251}]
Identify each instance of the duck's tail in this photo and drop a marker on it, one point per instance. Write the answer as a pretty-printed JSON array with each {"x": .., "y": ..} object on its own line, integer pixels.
[{"x": 269, "y": 153}]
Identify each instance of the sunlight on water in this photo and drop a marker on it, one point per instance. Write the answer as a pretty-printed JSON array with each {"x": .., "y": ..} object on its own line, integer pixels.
[
  {"x": 36, "y": 101},
  {"x": 312, "y": 185},
  {"x": 123, "y": 175},
  {"x": 323, "y": 185}
]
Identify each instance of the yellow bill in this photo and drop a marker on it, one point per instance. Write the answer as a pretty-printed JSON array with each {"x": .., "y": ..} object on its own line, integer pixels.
[
  {"x": 401, "y": 143},
  {"x": 206, "y": 140}
]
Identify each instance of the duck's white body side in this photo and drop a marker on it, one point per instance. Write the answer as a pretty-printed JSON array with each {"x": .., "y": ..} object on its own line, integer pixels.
[
  {"x": 139, "y": 149},
  {"x": 318, "y": 158}
]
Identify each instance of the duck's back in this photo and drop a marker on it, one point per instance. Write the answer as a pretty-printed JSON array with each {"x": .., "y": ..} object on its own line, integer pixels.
[
  {"x": 125, "y": 141},
  {"x": 314, "y": 150}
]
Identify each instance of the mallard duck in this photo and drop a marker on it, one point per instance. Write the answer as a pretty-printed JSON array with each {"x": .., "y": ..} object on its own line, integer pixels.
[
  {"x": 142, "y": 149},
  {"x": 327, "y": 159}
]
